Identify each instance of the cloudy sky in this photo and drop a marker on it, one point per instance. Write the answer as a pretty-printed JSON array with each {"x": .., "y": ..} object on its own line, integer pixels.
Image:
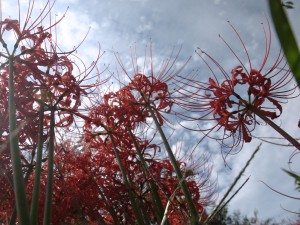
[{"x": 119, "y": 24}]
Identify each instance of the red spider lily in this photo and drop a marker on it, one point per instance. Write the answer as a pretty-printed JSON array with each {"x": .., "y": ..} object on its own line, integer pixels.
[
  {"x": 154, "y": 93},
  {"x": 224, "y": 102},
  {"x": 297, "y": 222},
  {"x": 101, "y": 122},
  {"x": 155, "y": 98},
  {"x": 41, "y": 78},
  {"x": 30, "y": 25},
  {"x": 87, "y": 184},
  {"x": 51, "y": 73},
  {"x": 56, "y": 83},
  {"x": 27, "y": 119},
  {"x": 118, "y": 112},
  {"x": 153, "y": 89},
  {"x": 126, "y": 109},
  {"x": 164, "y": 176}
]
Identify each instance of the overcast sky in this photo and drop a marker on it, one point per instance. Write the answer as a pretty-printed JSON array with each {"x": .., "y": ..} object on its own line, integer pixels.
[{"x": 119, "y": 24}]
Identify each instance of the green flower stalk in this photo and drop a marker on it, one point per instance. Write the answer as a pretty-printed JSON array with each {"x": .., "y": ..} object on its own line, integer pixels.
[
  {"x": 38, "y": 169},
  {"x": 127, "y": 182},
  {"x": 49, "y": 188},
  {"x": 19, "y": 184},
  {"x": 36, "y": 75},
  {"x": 194, "y": 213},
  {"x": 153, "y": 99},
  {"x": 156, "y": 201}
]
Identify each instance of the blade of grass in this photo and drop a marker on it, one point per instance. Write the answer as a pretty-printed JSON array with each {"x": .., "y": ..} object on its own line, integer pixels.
[
  {"x": 235, "y": 193},
  {"x": 286, "y": 37},
  {"x": 212, "y": 215}
]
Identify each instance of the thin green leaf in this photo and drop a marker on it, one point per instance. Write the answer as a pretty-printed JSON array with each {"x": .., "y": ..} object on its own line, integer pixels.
[
  {"x": 286, "y": 37},
  {"x": 289, "y": 2},
  {"x": 289, "y": 6},
  {"x": 296, "y": 176}
]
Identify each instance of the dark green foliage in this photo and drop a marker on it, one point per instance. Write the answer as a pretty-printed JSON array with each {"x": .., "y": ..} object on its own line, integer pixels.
[
  {"x": 288, "y": 4},
  {"x": 286, "y": 36},
  {"x": 296, "y": 177}
]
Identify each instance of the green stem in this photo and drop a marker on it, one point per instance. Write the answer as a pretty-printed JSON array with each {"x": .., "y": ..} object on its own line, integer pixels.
[
  {"x": 49, "y": 192},
  {"x": 38, "y": 168},
  {"x": 274, "y": 126},
  {"x": 110, "y": 209},
  {"x": 19, "y": 184},
  {"x": 169, "y": 203},
  {"x": 14, "y": 214},
  {"x": 156, "y": 201},
  {"x": 194, "y": 213},
  {"x": 127, "y": 183}
]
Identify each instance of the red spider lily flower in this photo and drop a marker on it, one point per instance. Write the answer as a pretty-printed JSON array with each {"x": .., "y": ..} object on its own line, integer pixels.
[
  {"x": 127, "y": 110},
  {"x": 155, "y": 89},
  {"x": 297, "y": 222},
  {"x": 42, "y": 76},
  {"x": 165, "y": 178},
  {"x": 39, "y": 75},
  {"x": 153, "y": 92},
  {"x": 27, "y": 119},
  {"x": 54, "y": 77},
  {"x": 121, "y": 110},
  {"x": 118, "y": 112},
  {"x": 101, "y": 121},
  {"x": 161, "y": 173},
  {"x": 52, "y": 74},
  {"x": 30, "y": 26},
  {"x": 233, "y": 101}
]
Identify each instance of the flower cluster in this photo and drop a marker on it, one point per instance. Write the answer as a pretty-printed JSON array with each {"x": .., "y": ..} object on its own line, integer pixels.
[
  {"x": 88, "y": 186},
  {"x": 36, "y": 78},
  {"x": 236, "y": 100},
  {"x": 116, "y": 124},
  {"x": 114, "y": 174}
]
